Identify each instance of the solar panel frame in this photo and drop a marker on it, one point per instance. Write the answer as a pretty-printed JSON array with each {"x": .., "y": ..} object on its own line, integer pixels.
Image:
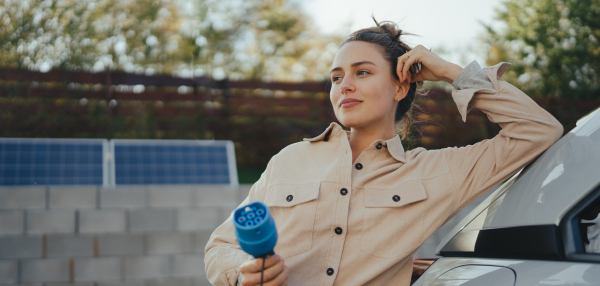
[
  {"x": 229, "y": 148},
  {"x": 59, "y": 141}
]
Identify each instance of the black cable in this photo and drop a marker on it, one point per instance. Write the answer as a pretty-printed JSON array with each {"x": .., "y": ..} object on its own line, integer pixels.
[{"x": 262, "y": 270}]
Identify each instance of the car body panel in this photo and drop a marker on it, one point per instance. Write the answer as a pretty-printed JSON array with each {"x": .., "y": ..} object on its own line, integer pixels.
[
  {"x": 543, "y": 192},
  {"x": 528, "y": 272},
  {"x": 475, "y": 275},
  {"x": 555, "y": 182}
]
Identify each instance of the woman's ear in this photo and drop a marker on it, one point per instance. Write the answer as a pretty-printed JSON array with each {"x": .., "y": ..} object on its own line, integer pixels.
[{"x": 402, "y": 90}]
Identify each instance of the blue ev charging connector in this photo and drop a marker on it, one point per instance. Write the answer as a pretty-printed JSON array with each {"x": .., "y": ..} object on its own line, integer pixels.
[{"x": 255, "y": 229}]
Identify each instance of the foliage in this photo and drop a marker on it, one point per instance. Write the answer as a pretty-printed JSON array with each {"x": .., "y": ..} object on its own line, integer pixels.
[
  {"x": 265, "y": 39},
  {"x": 259, "y": 39},
  {"x": 552, "y": 44},
  {"x": 88, "y": 35}
]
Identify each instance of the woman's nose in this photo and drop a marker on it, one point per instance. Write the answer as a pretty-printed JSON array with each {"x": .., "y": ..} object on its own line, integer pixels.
[{"x": 347, "y": 85}]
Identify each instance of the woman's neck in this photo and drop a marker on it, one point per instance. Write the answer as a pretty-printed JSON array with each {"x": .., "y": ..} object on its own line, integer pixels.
[{"x": 361, "y": 138}]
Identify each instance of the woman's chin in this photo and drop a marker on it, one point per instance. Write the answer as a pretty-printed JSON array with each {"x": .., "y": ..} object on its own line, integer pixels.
[
  {"x": 352, "y": 123},
  {"x": 357, "y": 118}
]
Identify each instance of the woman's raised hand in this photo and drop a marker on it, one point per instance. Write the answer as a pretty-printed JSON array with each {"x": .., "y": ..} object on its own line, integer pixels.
[
  {"x": 433, "y": 67},
  {"x": 274, "y": 274}
]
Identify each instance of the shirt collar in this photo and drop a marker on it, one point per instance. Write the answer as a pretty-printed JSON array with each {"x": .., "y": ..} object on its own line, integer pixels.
[
  {"x": 333, "y": 128},
  {"x": 395, "y": 148},
  {"x": 394, "y": 145}
]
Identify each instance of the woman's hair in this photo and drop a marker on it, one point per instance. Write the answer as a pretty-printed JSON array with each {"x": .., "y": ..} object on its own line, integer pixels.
[{"x": 387, "y": 35}]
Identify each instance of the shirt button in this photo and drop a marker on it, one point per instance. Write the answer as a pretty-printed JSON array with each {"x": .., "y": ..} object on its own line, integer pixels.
[
  {"x": 358, "y": 166},
  {"x": 329, "y": 271},
  {"x": 289, "y": 198},
  {"x": 338, "y": 230},
  {"x": 396, "y": 198},
  {"x": 379, "y": 146},
  {"x": 343, "y": 191}
]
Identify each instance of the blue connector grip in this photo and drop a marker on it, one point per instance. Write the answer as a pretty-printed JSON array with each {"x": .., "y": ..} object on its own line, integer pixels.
[{"x": 255, "y": 229}]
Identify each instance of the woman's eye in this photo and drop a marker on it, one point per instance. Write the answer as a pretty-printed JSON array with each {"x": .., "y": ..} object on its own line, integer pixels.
[
  {"x": 363, "y": 72},
  {"x": 336, "y": 78}
]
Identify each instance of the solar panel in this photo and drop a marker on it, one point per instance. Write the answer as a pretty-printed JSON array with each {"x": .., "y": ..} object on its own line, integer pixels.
[
  {"x": 144, "y": 162},
  {"x": 32, "y": 161}
]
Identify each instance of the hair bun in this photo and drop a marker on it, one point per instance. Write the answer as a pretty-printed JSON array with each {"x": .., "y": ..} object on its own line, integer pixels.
[{"x": 392, "y": 30}]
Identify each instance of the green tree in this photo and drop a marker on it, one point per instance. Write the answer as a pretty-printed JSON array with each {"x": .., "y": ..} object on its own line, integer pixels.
[
  {"x": 262, "y": 39},
  {"x": 89, "y": 35},
  {"x": 552, "y": 44}
]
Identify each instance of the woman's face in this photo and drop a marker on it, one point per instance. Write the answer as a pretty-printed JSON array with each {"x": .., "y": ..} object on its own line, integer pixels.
[{"x": 363, "y": 91}]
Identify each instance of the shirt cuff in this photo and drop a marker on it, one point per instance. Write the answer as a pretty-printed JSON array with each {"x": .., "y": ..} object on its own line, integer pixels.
[
  {"x": 472, "y": 76},
  {"x": 463, "y": 97}
]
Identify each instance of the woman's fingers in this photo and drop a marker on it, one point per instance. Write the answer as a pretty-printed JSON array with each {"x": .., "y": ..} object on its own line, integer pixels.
[
  {"x": 432, "y": 67},
  {"x": 287, "y": 276},
  {"x": 414, "y": 56},
  {"x": 274, "y": 267},
  {"x": 281, "y": 279},
  {"x": 273, "y": 274},
  {"x": 255, "y": 265},
  {"x": 407, "y": 60},
  {"x": 400, "y": 66}
]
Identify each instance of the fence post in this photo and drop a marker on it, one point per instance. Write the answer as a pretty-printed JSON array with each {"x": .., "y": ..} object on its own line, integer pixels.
[
  {"x": 224, "y": 124},
  {"x": 108, "y": 86}
]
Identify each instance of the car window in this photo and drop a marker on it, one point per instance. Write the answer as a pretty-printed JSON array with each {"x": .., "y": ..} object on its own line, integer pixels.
[{"x": 589, "y": 227}]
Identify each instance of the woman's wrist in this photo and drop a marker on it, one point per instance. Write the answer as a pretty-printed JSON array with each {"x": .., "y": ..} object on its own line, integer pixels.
[{"x": 452, "y": 71}]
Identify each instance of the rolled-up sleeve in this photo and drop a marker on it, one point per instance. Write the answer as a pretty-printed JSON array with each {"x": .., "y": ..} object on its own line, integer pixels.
[
  {"x": 527, "y": 130},
  {"x": 223, "y": 254},
  {"x": 472, "y": 76}
]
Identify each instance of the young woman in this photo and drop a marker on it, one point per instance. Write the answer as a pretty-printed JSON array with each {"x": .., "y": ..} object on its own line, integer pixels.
[{"x": 351, "y": 207}]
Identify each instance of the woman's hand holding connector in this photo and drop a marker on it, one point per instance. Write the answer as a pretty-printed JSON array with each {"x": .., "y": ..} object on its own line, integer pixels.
[{"x": 275, "y": 272}]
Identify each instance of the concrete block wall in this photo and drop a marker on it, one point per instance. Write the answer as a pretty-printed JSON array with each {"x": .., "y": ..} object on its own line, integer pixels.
[
  {"x": 96, "y": 236},
  {"x": 122, "y": 236}
]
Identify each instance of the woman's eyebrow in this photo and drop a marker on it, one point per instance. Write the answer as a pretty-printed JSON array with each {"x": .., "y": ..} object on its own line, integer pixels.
[{"x": 353, "y": 65}]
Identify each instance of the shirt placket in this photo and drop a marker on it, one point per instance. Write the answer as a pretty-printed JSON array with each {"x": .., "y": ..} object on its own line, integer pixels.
[{"x": 341, "y": 207}]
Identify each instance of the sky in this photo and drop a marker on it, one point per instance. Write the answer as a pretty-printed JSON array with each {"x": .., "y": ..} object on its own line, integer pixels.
[{"x": 449, "y": 26}]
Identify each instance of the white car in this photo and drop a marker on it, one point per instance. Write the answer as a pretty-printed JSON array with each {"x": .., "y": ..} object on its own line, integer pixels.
[{"x": 541, "y": 227}]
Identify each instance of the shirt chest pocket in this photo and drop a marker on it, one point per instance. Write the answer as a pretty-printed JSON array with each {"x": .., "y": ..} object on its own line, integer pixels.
[
  {"x": 293, "y": 207},
  {"x": 393, "y": 219}
]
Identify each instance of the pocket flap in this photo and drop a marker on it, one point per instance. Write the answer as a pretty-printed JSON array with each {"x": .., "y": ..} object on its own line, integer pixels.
[
  {"x": 288, "y": 195},
  {"x": 408, "y": 192}
]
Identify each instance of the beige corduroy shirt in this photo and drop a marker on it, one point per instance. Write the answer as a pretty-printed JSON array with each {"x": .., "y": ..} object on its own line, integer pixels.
[{"x": 359, "y": 223}]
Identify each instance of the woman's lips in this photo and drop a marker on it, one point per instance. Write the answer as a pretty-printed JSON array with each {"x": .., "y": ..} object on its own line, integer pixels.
[{"x": 349, "y": 102}]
